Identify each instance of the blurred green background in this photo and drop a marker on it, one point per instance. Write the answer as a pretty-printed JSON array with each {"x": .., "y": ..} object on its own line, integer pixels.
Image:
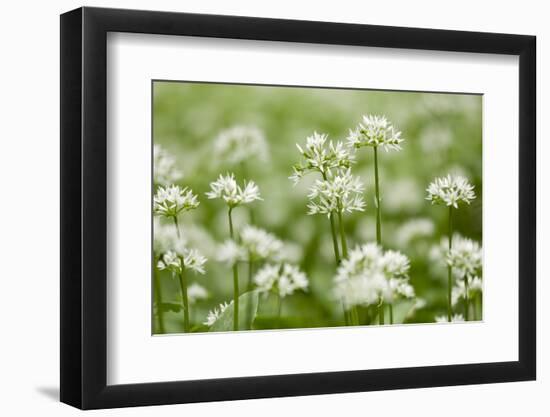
[{"x": 443, "y": 134}]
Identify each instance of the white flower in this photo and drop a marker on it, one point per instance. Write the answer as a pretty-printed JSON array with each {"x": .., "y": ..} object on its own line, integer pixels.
[
  {"x": 170, "y": 261},
  {"x": 191, "y": 259},
  {"x": 165, "y": 238},
  {"x": 340, "y": 193},
  {"x": 284, "y": 279},
  {"x": 465, "y": 257},
  {"x": 227, "y": 189},
  {"x": 231, "y": 253},
  {"x": 215, "y": 314},
  {"x": 240, "y": 143},
  {"x": 173, "y": 200},
  {"x": 259, "y": 244},
  {"x": 457, "y": 318},
  {"x": 196, "y": 292},
  {"x": 321, "y": 157},
  {"x": 375, "y": 131},
  {"x": 369, "y": 275},
  {"x": 459, "y": 290},
  {"x": 450, "y": 191},
  {"x": 412, "y": 230},
  {"x": 164, "y": 167}
]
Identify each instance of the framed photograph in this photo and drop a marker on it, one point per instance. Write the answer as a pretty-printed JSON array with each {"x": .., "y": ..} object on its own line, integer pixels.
[{"x": 257, "y": 208}]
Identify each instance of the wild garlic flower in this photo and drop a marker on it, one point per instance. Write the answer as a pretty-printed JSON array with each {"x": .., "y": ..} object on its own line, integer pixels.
[
  {"x": 226, "y": 188},
  {"x": 196, "y": 292},
  {"x": 164, "y": 167},
  {"x": 369, "y": 274},
  {"x": 340, "y": 193},
  {"x": 284, "y": 279},
  {"x": 412, "y": 230},
  {"x": 214, "y": 315},
  {"x": 465, "y": 257},
  {"x": 457, "y": 318},
  {"x": 173, "y": 200},
  {"x": 191, "y": 259},
  {"x": 475, "y": 286},
  {"x": 231, "y": 253},
  {"x": 239, "y": 144},
  {"x": 375, "y": 131},
  {"x": 450, "y": 191},
  {"x": 165, "y": 238},
  {"x": 259, "y": 244},
  {"x": 320, "y": 156}
]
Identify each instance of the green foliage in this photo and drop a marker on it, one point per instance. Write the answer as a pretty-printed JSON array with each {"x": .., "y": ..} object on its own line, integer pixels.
[{"x": 248, "y": 307}]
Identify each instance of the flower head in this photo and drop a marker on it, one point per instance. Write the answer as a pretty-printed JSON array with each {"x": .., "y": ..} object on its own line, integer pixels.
[
  {"x": 165, "y": 238},
  {"x": 259, "y": 244},
  {"x": 164, "y": 167},
  {"x": 215, "y": 314},
  {"x": 226, "y": 188},
  {"x": 375, "y": 131},
  {"x": 369, "y": 274},
  {"x": 341, "y": 192},
  {"x": 320, "y": 156},
  {"x": 191, "y": 259},
  {"x": 240, "y": 143},
  {"x": 450, "y": 191},
  {"x": 173, "y": 200},
  {"x": 284, "y": 279},
  {"x": 231, "y": 253},
  {"x": 196, "y": 292},
  {"x": 466, "y": 257}
]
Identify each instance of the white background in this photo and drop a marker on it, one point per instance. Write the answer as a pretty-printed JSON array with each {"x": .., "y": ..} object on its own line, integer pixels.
[
  {"x": 29, "y": 216},
  {"x": 133, "y": 60}
]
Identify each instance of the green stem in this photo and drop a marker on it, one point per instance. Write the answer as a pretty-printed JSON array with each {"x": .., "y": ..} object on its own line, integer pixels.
[
  {"x": 466, "y": 299},
  {"x": 377, "y": 199},
  {"x": 333, "y": 231},
  {"x": 158, "y": 297},
  {"x": 249, "y": 288},
  {"x": 177, "y": 226},
  {"x": 381, "y": 312},
  {"x": 391, "y": 313},
  {"x": 450, "y": 269},
  {"x": 183, "y": 285},
  {"x": 342, "y": 233},
  {"x": 279, "y": 308},
  {"x": 235, "y": 279}
]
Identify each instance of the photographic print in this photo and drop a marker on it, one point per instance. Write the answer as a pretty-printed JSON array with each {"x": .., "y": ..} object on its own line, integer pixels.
[{"x": 289, "y": 207}]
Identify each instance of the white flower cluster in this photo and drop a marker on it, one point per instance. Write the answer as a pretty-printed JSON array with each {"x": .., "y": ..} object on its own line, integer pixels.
[
  {"x": 190, "y": 259},
  {"x": 165, "y": 238},
  {"x": 226, "y": 188},
  {"x": 215, "y": 314},
  {"x": 284, "y": 279},
  {"x": 173, "y": 200},
  {"x": 450, "y": 191},
  {"x": 475, "y": 286},
  {"x": 369, "y": 275},
  {"x": 164, "y": 167},
  {"x": 240, "y": 143},
  {"x": 375, "y": 131},
  {"x": 255, "y": 245},
  {"x": 457, "y": 318},
  {"x": 196, "y": 292},
  {"x": 465, "y": 257},
  {"x": 341, "y": 192},
  {"x": 321, "y": 156}
]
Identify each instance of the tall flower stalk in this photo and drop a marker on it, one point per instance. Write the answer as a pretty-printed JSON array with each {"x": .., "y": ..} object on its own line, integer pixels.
[
  {"x": 178, "y": 264},
  {"x": 376, "y": 131},
  {"x": 227, "y": 189},
  {"x": 170, "y": 202},
  {"x": 450, "y": 191}
]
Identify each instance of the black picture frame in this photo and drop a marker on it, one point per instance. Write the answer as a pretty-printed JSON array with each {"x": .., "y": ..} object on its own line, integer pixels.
[{"x": 84, "y": 207}]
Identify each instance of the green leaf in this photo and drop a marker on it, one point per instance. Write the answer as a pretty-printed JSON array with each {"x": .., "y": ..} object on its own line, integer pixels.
[{"x": 248, "y": 308}]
